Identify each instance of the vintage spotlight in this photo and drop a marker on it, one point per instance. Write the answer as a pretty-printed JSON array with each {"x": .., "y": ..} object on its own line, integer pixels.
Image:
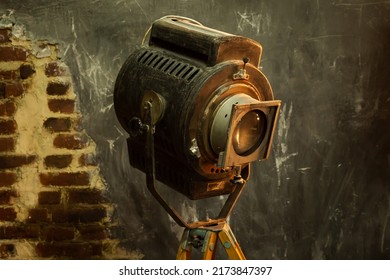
[{"x": 208, "y": 108}]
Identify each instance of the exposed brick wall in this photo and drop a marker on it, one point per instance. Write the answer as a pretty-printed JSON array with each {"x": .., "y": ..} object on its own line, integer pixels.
[{"x": 52, "y": 202}]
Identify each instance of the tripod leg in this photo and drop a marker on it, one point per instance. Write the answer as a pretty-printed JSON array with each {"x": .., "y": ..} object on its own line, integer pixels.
[
  {"x": 229, "y": 242},
  {"x": 184, "y": 251},
  {"x": 210, "y": 245}
]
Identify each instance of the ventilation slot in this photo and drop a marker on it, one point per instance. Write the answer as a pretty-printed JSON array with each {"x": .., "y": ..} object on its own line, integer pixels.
[
  {"x": 151, "y": 60},
  {"x": 193, "y": 74},
  {"x": 174, "y": 68},
  {"x": 162, "y": 64},
  {"x": 157, "y": 62},
  {"x": 168, "y": 65},
  {"x": 185, "y": 73},
  {"x": 142, "y": 56}
]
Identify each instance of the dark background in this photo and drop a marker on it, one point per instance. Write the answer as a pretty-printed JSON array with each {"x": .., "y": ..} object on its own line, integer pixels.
[{"x": 324, "y": 193}]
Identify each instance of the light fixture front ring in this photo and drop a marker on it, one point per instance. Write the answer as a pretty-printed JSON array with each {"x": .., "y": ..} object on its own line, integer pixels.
[{"x": 219, "y": 129}]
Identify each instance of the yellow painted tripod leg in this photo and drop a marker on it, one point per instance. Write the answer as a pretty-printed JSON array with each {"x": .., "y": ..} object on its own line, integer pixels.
[
  {"x": 209, "y": 238},
  {"x": 184, "y": 252},
  {"x": 229, "y": 242},
  {"x": 210, "y": 245}
]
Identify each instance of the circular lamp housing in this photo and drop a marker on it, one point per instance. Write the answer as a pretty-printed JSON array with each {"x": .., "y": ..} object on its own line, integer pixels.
[{"x": 212, "y": 108}]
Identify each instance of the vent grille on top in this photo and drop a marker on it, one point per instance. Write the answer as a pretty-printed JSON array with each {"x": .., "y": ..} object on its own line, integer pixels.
[{"x": 168, "y": 65}]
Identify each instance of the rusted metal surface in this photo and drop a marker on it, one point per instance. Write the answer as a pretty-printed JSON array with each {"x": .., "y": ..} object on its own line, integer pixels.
[
  {"x": 191, "y": 69},
  {"x": 209, "y": 45}
]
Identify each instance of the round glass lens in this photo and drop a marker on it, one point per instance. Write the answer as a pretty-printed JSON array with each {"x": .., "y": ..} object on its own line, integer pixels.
[{"x": 249, "y": 132}]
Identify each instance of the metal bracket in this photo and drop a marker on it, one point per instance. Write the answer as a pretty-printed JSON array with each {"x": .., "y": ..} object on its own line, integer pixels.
[
  {"x": 150, "y": 171},
  {"x": 241, "y": 74},
  {"x": 206, "y": 238}
]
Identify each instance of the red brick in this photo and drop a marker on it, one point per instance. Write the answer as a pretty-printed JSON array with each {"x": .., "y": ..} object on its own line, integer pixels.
[
  {"x": 7, "y": 178},
  {"x": 92, "y": 232},
  {"x": 69, "y": 250},
  {"x": 7, "y": 126},
  {"x": 65, "y": 179},
  {"x": 48, "y": 197},
  {"x": 6, "y": 196},
  {"x": 5, "y": 35},
  {"x": 7, "y": 250},
  {"x": 7, "y": 109},
  {"x": 70, "y": 141},
  {"x": 14, "y": 90},
  {"x": 61, "y": 105},
  {"x": 55, "y": 69},
  {"x": 57, "y": 88},
  {"x": 37, "y": 215},
  {"x": 7, "y": 144},
  {"x": 87, "y": 196},
  {"x": 26, "y": 71},
  {"x": 12, "y": 53},
  {"x": 58, "y": 124},
  {"x": 7, "y": 214},
  {"x": 13, "y": 161},
  {"x": 59, "y": 233},
  {"x": 10, "y": 90},
  {"x": 79, "y": 214},
  {"x": 8, "y": 75},
  {"x": 19, "y": 231},
  {"x": 58, "y": 161}
]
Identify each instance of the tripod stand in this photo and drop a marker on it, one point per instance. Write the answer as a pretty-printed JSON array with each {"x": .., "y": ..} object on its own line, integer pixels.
[{"x": 206, "y": 239}]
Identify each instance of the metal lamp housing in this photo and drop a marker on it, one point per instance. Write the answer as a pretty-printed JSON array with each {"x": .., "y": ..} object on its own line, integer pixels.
[{"x": 202, "y": 84}]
